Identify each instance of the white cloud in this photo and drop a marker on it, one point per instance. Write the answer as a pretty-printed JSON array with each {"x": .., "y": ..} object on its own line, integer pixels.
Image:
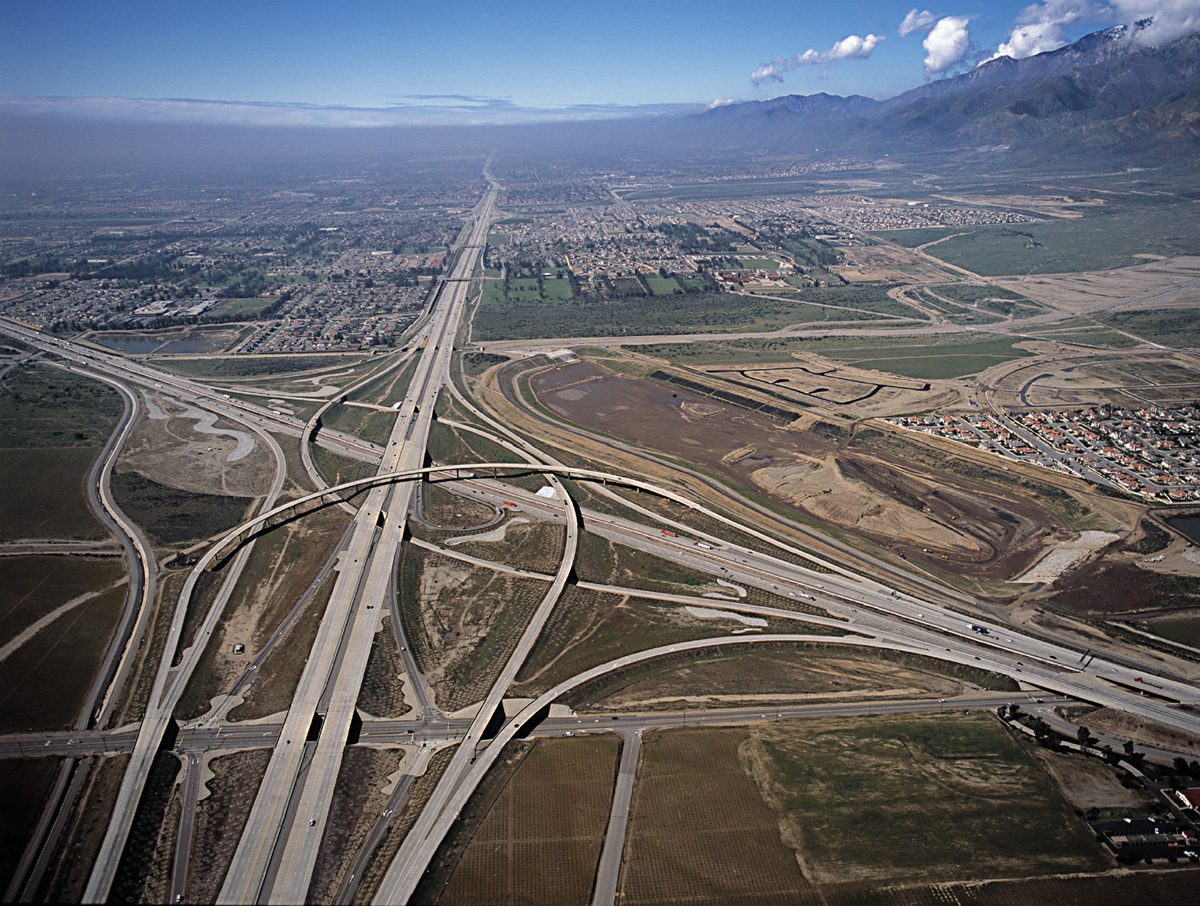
[
  {"x": 722, "y": 102},
  {"x": 1040, "y": 26},
  {"x": 851, "y": 47},
  {"x": 916, "y": 21},
  {"x": 946, "y": 44},
  {"x": 1173, "y": 19}
]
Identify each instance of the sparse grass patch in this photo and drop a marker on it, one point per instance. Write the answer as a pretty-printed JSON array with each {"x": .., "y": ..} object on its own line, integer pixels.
[
  {"x": 357, "y": 801},
  {"x": 220, "y": 819},
  {"x": 275, "y": 681},
  {"x": 382, "y": 693},
  {"x": 73, "y": 860},
  {"x": 173, "y": 516},
  {"x": 1185, "y": 631},
  {"x": 400, "y": 825}
]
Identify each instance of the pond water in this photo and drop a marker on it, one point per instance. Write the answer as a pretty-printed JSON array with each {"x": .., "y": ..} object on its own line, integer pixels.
[
  {"x": 131, "y": 345},
  {"x": 1189, "y": 525}
]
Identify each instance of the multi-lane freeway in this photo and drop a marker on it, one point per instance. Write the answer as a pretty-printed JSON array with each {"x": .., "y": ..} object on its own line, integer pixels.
[{"x": 277, "y": 852}]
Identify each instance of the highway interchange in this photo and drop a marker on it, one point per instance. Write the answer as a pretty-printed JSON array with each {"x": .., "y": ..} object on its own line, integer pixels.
[{"x": 277, "y": 852}]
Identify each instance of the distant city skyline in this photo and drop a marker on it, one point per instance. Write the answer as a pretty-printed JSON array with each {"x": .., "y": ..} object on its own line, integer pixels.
[{"x": 376, "y": 63}]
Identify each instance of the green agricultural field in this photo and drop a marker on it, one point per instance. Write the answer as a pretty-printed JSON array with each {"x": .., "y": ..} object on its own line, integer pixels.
[
  {"x": 1184, "y": 631},
  {"x": 1114, "y": 235},
  {"x": 53, "y": 426},
  {"x": 24, "y": 785},
  {"x": 933, "y": 362},
  {"x": 1170, "y": 328},
  {"x": 174, "y": 516},
  {"x": 255, "y": 366},
  {"x": 233, "y": 308},
  {"x": 557, "y": 289},
  {"x": 662, "y": 286},
  {"x": 943, "y": 797},
  {"x": 43, "y": 494},
  {"x": 702, "y": 312}
]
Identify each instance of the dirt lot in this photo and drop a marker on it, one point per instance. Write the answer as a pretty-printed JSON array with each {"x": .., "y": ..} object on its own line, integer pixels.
[
  {"x": 170, "y": 451},
  {"x": 968, "y": 527},
  {"x": 853, "y": 392},
  {"x": 1063, "y": 378},
  {"x": 1088, "y": 783},
  {"x": 886, "y": 263}
]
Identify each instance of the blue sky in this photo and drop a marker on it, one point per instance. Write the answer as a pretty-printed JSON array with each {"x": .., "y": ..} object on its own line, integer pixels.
[{"x": 496, "y": 60}]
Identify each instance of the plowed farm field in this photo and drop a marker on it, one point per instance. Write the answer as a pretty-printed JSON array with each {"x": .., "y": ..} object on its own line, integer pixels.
[
  {"x": 700, "y": 832},
  {"x": 540, "y": 841}
]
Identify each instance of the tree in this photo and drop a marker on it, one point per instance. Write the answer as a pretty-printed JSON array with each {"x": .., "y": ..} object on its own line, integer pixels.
[{"x": 1084, "y": 736}]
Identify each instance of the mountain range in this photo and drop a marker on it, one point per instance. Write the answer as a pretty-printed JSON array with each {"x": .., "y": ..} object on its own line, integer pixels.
[{"x": 1105, "y": 99}]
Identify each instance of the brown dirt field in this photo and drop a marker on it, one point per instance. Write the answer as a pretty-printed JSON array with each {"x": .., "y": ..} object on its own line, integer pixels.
[
  {"x": 220, "y": 818},
  {"x": 1123, "y": 725},
  {"x": 1077, "y": 292},
  {"x": 530, "y": 848},
  {"x": 850, "y": 392},
  {"x": 770, "y": 677},
  {"x": 699, "y": 832},
  {"x": 1088, "y": 783},
  {"x": 887, "y": 263},
  {"x": 1064, "y": 207},
  {"x": 982, "y": 532},
  {"x": 171, "y": 452}
]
